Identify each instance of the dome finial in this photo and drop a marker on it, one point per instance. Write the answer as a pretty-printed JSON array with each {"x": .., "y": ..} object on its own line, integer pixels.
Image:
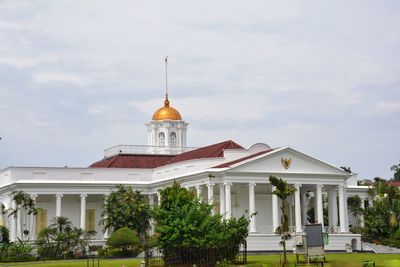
[{"x": 166, "y": 101}]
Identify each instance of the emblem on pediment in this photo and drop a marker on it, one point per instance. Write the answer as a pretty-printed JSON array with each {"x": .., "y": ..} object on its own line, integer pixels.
[{"x": 286, "y": 163}]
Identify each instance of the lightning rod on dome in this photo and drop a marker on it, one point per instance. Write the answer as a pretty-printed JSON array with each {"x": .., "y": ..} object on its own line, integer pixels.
[{"x": 166, "y": 77}]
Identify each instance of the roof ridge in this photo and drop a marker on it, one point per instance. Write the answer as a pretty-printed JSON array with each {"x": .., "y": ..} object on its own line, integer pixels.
[{"x": 232, "y": 162}]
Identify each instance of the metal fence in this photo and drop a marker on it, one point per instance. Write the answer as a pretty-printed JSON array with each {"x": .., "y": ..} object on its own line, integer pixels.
[{"x": 199, "y": 257}]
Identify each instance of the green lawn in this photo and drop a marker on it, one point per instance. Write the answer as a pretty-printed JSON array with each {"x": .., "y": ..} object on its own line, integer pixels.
[{"x": 334, "y": 260}]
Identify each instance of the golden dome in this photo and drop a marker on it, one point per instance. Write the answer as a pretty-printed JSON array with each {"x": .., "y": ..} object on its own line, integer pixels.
[{"x": 166, "y": 112}]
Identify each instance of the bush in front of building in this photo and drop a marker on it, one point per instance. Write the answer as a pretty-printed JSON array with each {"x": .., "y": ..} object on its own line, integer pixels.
[
  {"x": 62, "y": 241},
  {"x": 5, "y": 235},
  {"x": 382, "y": 219},
  {"x": 122, "y": 243},
  {"x": 16, "y": 251}
]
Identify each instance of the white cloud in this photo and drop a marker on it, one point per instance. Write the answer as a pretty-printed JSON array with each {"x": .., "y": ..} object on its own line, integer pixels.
[
  {"x": 48, "y": 77},
  {"x": 222, "y": 108},
  {"x": 307, "y": 74}
]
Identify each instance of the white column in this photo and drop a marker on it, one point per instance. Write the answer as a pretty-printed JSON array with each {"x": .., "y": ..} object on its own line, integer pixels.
[
  {"x": 228, "y": 200},
  {"x": 32, "y": 220},
  {"x": 58, "y": 204},
  {"x": 199, "y": 191},
  {"x": 83, "y": 211},
  {"x": 13, "y": 232},
  {"x": 275, "y": 210},
  {"x": 151, "y": 205},
  {"x": 252, "y": 208},
  {"x": 222, "y": 199},
  {"x": 315, "y": 206},
  {"x": 370, "y": 202},
  {"x": 297, "y": 208},
  {"x": 342, "y": 209},
  {"x": 151, "y": 200},
  {"x": 362, "y": 205},
  {"x": 106, "y": 232},
  {"x": 304, "y": 207},
  {"x": 1, "y": 215},
  {"x": 19, "y": 222},
  {"x": 158, "y": 198},
  {"x": 346, "y": 213},
  {"x": 320, "y": 206},
  {"x": 332, "y": 207},
  {"x": 210, "y": 195}
]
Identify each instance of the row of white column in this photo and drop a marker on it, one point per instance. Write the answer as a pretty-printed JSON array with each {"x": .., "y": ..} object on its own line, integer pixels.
[
  {"x": 16, "y": 221},
  {"x": 300, "y": 205}
]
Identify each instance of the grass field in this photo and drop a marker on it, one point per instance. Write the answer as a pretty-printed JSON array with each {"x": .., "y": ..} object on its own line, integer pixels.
[{"x": 334, "y": 260}]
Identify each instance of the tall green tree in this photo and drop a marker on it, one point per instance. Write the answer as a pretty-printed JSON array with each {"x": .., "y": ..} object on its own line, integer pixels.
[
  {"x": 183, "y": 221},
  {"x": 283, "y": 190},
  {"x": 382, "y": 219},
  {"x": 396, "y": 169},
  {"x": 124, "y": 207}
]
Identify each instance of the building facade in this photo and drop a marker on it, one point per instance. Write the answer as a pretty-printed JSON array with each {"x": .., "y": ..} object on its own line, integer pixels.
[{"x": 233, "y": 178}]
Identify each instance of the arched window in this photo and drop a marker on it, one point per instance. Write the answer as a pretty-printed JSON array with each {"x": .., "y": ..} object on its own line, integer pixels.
[
  {"x": 172, "y": 139},
  {"x": 161, "y": 139}
]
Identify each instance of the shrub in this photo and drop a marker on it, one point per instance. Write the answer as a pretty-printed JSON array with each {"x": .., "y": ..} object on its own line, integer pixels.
[
  {"x": 17, "y": 251},
  {"x": 123, "y": 237},
  {"x": 5, "y": 234},
  {"x": 124, "y": 243}
]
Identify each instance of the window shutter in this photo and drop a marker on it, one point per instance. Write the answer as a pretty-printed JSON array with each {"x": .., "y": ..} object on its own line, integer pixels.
[
  {"x": 90, "y": 220},
  {"x": 41, "y": 220}
]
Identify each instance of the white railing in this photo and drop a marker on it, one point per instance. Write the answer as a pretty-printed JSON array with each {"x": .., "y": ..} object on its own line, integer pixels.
[
  {"x": 265, "y": 229},
  {"x": 331, "y": 229},
  {"x": 145, "y": 150}
]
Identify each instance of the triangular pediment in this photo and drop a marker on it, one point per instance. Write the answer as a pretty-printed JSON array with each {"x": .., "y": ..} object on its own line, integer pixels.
[{"x": 286, "y": 160}]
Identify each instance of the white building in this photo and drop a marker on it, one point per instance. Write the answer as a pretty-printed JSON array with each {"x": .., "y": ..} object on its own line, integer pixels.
[{"x": 234, "y": 178}]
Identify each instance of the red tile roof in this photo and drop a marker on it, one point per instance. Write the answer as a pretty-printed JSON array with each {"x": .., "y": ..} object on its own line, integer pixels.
[
  {"x": 394, "y": 183},
  {"x": 233, "y": 162},
  {"x": 132, "y": 161},
  {"x": 212, "y": 151},
  {"x": 153, "y": 161}
]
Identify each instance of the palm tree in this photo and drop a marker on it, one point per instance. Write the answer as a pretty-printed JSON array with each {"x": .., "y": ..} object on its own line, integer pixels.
[
  {"x": 61, "y": 223},
  {"x": 283, "y": 190}
]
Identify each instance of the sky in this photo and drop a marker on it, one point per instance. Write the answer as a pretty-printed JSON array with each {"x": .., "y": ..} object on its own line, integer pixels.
[{"x": 323, "y": 77}]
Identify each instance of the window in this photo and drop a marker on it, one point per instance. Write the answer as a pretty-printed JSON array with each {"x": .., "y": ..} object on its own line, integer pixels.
[
  {"x": 41, "y": 220},
  {"x": 161, "y": 139},
  {"x": 90, "y": 220},
  {"x": 172, "y": 139}
]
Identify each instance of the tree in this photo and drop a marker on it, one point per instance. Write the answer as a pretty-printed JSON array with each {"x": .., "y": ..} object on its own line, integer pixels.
[
  {"x": 354, "y": 205},
  {"x": 382, "y": 219},
  {"x": 283, "y": 190},
  {"x": 62, "y": 240},
  {"x": 396, "y": 169},
  {"x": 185, "y": 226},
  {"x": 126, "y": 208},
  {"x": 25, "y": 205},
  {"x": 61, "y": 224}
]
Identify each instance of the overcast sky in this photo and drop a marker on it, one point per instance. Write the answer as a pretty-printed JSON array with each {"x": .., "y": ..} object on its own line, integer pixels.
[{"x": 323, "y": 77}]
